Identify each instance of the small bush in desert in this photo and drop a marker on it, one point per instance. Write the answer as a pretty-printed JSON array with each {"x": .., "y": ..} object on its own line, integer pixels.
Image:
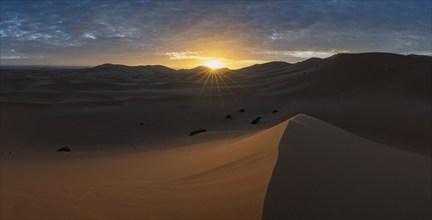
[
  {"x": 64, "y": 149},
  {"x": 194, "y": 132},
  {"x": 256, "y": 120}
]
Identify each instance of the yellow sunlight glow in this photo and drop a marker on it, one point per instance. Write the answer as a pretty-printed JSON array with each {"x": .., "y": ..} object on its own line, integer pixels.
[{"x": 214, "y": 64}]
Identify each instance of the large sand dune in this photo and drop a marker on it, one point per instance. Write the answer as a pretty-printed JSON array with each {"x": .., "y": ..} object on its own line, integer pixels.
[
  {"x": 220, "y": 179},
  {"x": 132, "y": 157},
  {"x": 324, "y": 172}
]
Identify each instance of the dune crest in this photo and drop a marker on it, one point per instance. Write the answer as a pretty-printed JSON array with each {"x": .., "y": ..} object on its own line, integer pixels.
[
  {"x": 303, "y": 168},
  {"x": 324, "y": 172}
]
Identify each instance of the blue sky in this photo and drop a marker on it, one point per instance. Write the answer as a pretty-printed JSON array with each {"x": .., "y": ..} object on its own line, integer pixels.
[{"x": 187, "y": 33}]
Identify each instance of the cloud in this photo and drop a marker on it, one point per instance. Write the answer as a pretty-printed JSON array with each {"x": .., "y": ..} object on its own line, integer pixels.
[
  {"x": 183, "y": 55},
  {"x": 237, "y": 30},
  {"x": 301, "y": 54},
  {"x": 12, "y": 57}
]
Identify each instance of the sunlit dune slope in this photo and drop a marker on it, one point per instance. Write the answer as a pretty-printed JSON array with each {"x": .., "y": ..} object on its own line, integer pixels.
[{"x": 218, "y": 179}]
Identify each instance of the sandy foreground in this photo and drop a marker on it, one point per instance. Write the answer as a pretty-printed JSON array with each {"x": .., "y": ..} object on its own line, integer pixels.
[
  {"x": 224, "y": 179},
  {"x": 347, "y": 137}
]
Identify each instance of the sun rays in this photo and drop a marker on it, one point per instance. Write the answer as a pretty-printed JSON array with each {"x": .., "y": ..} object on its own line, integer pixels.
[{"x": 216, "y": 86}]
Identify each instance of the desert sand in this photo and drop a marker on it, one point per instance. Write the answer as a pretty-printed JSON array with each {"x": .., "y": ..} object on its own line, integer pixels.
[
  {"x": 346, "y": 137},
  {"x": 324, "y": 172}
]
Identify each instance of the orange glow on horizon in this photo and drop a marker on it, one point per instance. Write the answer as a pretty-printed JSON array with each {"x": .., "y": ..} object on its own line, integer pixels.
[{"x": 214, "y": 64}]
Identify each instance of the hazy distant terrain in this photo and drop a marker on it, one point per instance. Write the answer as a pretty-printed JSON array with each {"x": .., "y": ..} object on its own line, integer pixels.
[
  {"x": 384, "y": 97},
  {"x": 353, "y": 130}
]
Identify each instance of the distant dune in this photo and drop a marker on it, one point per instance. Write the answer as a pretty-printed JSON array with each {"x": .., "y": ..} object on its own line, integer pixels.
[{"x": 346, "y": 137}]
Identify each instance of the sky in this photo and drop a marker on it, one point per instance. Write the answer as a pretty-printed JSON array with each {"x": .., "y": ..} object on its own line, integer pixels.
[{"x": 185, "y": 34}]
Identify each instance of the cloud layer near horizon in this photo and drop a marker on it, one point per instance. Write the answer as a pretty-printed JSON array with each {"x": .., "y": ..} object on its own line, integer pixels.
[{"x": 184, "y": 33}]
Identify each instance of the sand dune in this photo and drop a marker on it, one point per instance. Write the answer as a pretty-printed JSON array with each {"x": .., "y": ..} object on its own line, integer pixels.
[
  {"x": 132, "y": 156},
  {"x": 324, "y": 172},
  {"x": 344, "y": 90},
  {"x": 220, "y": 179}
]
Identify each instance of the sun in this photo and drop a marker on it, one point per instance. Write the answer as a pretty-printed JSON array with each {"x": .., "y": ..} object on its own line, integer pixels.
[{"x": 214, "y": 64}]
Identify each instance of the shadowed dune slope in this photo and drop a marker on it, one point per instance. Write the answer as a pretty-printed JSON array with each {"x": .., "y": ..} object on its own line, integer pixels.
[
  {"x": 324, "y": 172},
  {"x": 380, "y": 96}
]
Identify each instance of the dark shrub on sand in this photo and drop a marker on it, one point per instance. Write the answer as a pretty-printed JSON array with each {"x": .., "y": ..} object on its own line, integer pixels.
[
  {"x": 275, "y": 111},
  {"x": 65, "y": 149},
  {"x": 241, "y": 110},
  {"x": 194, "y": 132},
  {"x": 256, "y": 120},
  {"x": 228, "y": 116}
]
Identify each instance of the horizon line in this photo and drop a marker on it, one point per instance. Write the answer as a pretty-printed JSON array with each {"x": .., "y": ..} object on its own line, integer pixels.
[{"x": 92, "y": 66}]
